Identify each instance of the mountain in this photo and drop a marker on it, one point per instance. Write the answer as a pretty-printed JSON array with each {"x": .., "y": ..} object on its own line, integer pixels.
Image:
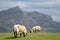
[{"x": 15, "y": 15}]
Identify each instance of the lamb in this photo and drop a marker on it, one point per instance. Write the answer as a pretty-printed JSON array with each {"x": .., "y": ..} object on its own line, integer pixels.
[
  {"x": 19, "y": 29},
  {"x": 35, "y": 28}
]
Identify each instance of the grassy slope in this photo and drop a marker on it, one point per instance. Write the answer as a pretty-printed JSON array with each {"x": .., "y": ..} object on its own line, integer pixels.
[{"x": 31, "y": 36}]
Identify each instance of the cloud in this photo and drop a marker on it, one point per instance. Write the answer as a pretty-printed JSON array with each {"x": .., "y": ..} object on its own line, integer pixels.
[
  {"x": 55, "y": 18},
  {"x": 28, "y": 0},
  {"x": 51, "y": 7},
  {"x": 42, "y": 4},
  {"x": 47, "y": 7},
  {"x": 7, "y": 4},
  {"x": 39, "y": 4},
  {"x": 22, "y": 4}
]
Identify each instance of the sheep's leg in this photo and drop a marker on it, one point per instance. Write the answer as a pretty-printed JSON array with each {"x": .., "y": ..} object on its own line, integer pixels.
[
  {"x": 15, "y": 34},
  {"x": 24, "y": 34},
  {"x": 20, "y": 34}
]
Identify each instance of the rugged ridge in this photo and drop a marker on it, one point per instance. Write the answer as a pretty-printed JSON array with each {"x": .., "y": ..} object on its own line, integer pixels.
[{"x": 15, "y": 15}]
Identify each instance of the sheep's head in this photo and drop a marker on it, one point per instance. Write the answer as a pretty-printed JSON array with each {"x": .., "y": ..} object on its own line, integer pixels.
[{"x": 31, "y": 31}]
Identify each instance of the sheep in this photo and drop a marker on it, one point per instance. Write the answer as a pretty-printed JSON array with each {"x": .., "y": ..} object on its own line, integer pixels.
[
  {"x": 19, "y": 29},
  {"x": 35, "y": 28}
]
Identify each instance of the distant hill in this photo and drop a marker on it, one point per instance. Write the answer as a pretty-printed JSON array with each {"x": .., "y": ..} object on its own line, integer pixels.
[{"x": 15, "y": 15}]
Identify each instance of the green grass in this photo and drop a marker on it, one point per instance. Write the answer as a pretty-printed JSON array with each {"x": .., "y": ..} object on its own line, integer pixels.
[{"x": 31, "y": 36}]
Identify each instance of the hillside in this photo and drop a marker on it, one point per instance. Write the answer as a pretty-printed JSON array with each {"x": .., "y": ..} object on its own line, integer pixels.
[{"x": 15, "y": 15}]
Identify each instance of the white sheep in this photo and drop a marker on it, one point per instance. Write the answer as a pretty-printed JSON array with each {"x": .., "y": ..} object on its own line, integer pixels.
[
  {"x": 19, "y": 29},
  {"x": 35, "y": 28}
]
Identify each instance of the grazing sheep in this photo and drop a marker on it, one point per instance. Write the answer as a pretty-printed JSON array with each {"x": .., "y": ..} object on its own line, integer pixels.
[
  {"x": 19, "y": 29},
  {"x": 35, "y": 28}
]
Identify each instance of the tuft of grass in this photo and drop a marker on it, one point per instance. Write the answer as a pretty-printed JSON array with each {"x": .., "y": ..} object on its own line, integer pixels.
[{"x": 31, "y": 36}]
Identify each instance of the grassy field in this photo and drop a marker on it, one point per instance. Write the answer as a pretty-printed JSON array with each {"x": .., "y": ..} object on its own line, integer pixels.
[{"x": 31, "y": 36}]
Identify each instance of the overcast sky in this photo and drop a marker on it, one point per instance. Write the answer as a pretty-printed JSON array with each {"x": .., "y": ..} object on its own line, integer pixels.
[{"x": 50, "y": 7}]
